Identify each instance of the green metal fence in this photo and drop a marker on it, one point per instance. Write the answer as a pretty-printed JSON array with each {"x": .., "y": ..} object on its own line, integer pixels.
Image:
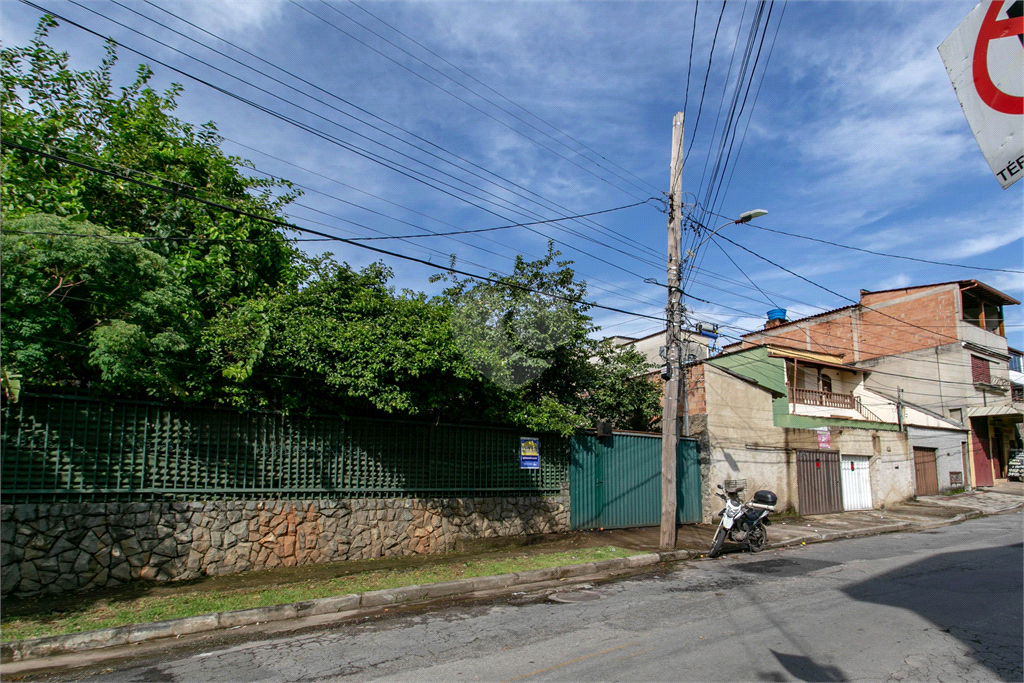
[
  {"x": 615, "y": 481},
  {"x": 69, "y": 448}
]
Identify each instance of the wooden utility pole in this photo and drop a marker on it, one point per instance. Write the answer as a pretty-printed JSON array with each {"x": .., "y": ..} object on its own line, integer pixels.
[{"x": 673, "y": 314}]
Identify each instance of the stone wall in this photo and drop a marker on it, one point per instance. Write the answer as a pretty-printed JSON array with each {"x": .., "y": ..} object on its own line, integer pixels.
[{"x": 67, "y": 547}]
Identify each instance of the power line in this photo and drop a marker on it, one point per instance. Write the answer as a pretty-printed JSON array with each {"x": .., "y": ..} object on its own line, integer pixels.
[
  {"x": 290, "y": 226},
  {"x": 373, "y": 157},
  {"x": 604, "y": 229},
  {"x": 732, "y": 112},
  {"x": 341, "y": 218},
  {"x": 735, "y": 117},
  {"x": 757, "y": 93},
  {"x": 169, "y": 238},
  {"x": 477, "y": 80},
  {"x": 590, "y": 279},
  {"x": 700, "y": 107},
  {"x": 717, "y": 244},
  {"x": 882, "y": 253},
  {"x": 503, "y": 227},
  {"x": 468, "y": 104},
  {"x": 689, "y": 61},
  {"x": 823, "y": 287},
  {"x": 725, "y": 88},
  {"x": 394, "y": 166}
]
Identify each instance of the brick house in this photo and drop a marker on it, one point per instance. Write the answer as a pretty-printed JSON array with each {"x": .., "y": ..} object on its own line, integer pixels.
[{"x": 941, "y": 347}]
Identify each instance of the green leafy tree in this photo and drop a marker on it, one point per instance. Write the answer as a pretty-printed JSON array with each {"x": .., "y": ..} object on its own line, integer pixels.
[
  {"x": 80, "y": 115},
  {"x": 136, "y": 290},
  {"x": 619, "y": 392},
  {"x": 85, "y": 306},
  {"x": 343, "y": 340},
  {"x": 529, "y": 333}
]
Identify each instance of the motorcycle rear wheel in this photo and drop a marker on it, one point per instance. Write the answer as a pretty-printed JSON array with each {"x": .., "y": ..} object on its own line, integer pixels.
[
  {"x": 716, "y": 544},
  {"x": 757, "y": 538}
]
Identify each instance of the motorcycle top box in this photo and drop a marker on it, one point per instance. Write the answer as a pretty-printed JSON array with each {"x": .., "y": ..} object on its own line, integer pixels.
[{"x": 765, "y": 498}]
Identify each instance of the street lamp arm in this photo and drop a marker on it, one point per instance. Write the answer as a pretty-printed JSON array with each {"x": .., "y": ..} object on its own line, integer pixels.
[{"x": 745, "y": 217}]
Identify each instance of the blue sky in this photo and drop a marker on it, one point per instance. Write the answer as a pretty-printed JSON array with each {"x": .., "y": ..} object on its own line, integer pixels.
[{"x": 851, "y": 133}]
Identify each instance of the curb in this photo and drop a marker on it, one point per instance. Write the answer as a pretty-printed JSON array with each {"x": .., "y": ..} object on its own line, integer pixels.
[
  {"x": 351, "y": 605},
  {"x": 831, "y": 536}
]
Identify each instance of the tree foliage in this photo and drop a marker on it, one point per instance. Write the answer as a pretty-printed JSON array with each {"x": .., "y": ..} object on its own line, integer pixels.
[
  {"x": 135, "y": 291},
  {"x": 82, "y": 305},
  {"x": 80, "y": 115},
  {"x": 347, "y": 339}
]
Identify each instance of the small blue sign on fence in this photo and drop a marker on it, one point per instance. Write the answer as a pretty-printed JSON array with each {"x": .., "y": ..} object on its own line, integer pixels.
[{"x": 529, "y": 453}]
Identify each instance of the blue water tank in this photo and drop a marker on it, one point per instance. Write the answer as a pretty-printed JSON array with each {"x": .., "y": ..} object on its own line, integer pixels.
[{"x": 777, "y": 314}]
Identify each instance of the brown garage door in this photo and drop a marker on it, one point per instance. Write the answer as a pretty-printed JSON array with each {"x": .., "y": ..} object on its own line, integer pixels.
[
  {"x": 924, "y": 469},
  {"x": 819, "y": 484}
]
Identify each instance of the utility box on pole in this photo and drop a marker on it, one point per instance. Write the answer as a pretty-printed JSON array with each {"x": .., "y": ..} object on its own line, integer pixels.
[{"x": 673, "y": 315}]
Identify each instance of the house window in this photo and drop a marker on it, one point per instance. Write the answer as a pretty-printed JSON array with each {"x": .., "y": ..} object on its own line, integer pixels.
[
  {"x": 957, "y": 414},
  {"x": 1015, "y": 362},
  {"x": 1017, "y": 393},
  {"x": 980, "y": 371}
]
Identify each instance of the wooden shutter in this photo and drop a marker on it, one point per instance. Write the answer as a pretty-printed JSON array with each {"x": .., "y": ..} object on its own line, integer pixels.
[{"x": 979, "y": 371}]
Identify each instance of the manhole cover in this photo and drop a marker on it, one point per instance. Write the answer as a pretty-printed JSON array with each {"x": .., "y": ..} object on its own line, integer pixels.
[{"x": 574, "y": 596}]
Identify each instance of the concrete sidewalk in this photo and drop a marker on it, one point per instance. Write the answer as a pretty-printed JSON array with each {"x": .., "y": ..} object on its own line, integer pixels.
[
  {"x": 1004, "y": 496},
  {"x": 694, "y": 541}
]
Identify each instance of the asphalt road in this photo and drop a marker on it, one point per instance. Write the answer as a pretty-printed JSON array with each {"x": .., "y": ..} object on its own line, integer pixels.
[{"x": 939, "y": 605}]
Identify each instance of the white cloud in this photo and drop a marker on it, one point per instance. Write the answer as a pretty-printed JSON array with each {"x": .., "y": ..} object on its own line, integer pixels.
[
  {"x": 237, "y": 18},
  {"x": 894, "y": 282}
]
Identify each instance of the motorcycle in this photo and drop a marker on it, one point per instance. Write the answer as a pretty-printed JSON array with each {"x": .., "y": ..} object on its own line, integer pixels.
[{"x": 743, "y": 523}]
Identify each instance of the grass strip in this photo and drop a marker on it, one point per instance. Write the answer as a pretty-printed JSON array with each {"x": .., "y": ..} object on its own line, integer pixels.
[{"x": 109, "y": 613}]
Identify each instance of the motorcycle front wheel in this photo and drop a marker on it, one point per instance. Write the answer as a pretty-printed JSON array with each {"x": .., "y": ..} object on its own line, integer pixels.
[
  {"x": 757, "y": 539},
  {"x": 716, "y": 545}
]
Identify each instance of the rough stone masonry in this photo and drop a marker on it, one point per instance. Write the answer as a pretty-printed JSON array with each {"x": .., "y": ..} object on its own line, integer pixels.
[{"x": 67, "y": 547}]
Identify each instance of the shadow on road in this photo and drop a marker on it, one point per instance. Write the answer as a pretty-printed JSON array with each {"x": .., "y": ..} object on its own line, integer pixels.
[
  {"x": 974, "y": 595},
  {"x": 806, "y": 669}
]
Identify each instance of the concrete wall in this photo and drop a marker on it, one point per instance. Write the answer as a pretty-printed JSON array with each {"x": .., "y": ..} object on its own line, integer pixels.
[
  {"x": 742, "y": 442},
  {"x": 948, "y": 451},
  {"x": 66, "y": 547},
  {"x": 937, "y": 378}
]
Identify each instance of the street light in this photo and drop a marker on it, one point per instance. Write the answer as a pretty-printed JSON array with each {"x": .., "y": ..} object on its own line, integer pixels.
[{"x": 745, "y": 217}]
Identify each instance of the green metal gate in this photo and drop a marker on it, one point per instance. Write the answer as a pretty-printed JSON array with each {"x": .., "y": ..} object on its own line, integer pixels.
[{"x": 615, "y": 481}]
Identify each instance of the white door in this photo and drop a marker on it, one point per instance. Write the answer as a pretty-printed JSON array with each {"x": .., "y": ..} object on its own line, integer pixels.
[{"x": 856, "y": 482}]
